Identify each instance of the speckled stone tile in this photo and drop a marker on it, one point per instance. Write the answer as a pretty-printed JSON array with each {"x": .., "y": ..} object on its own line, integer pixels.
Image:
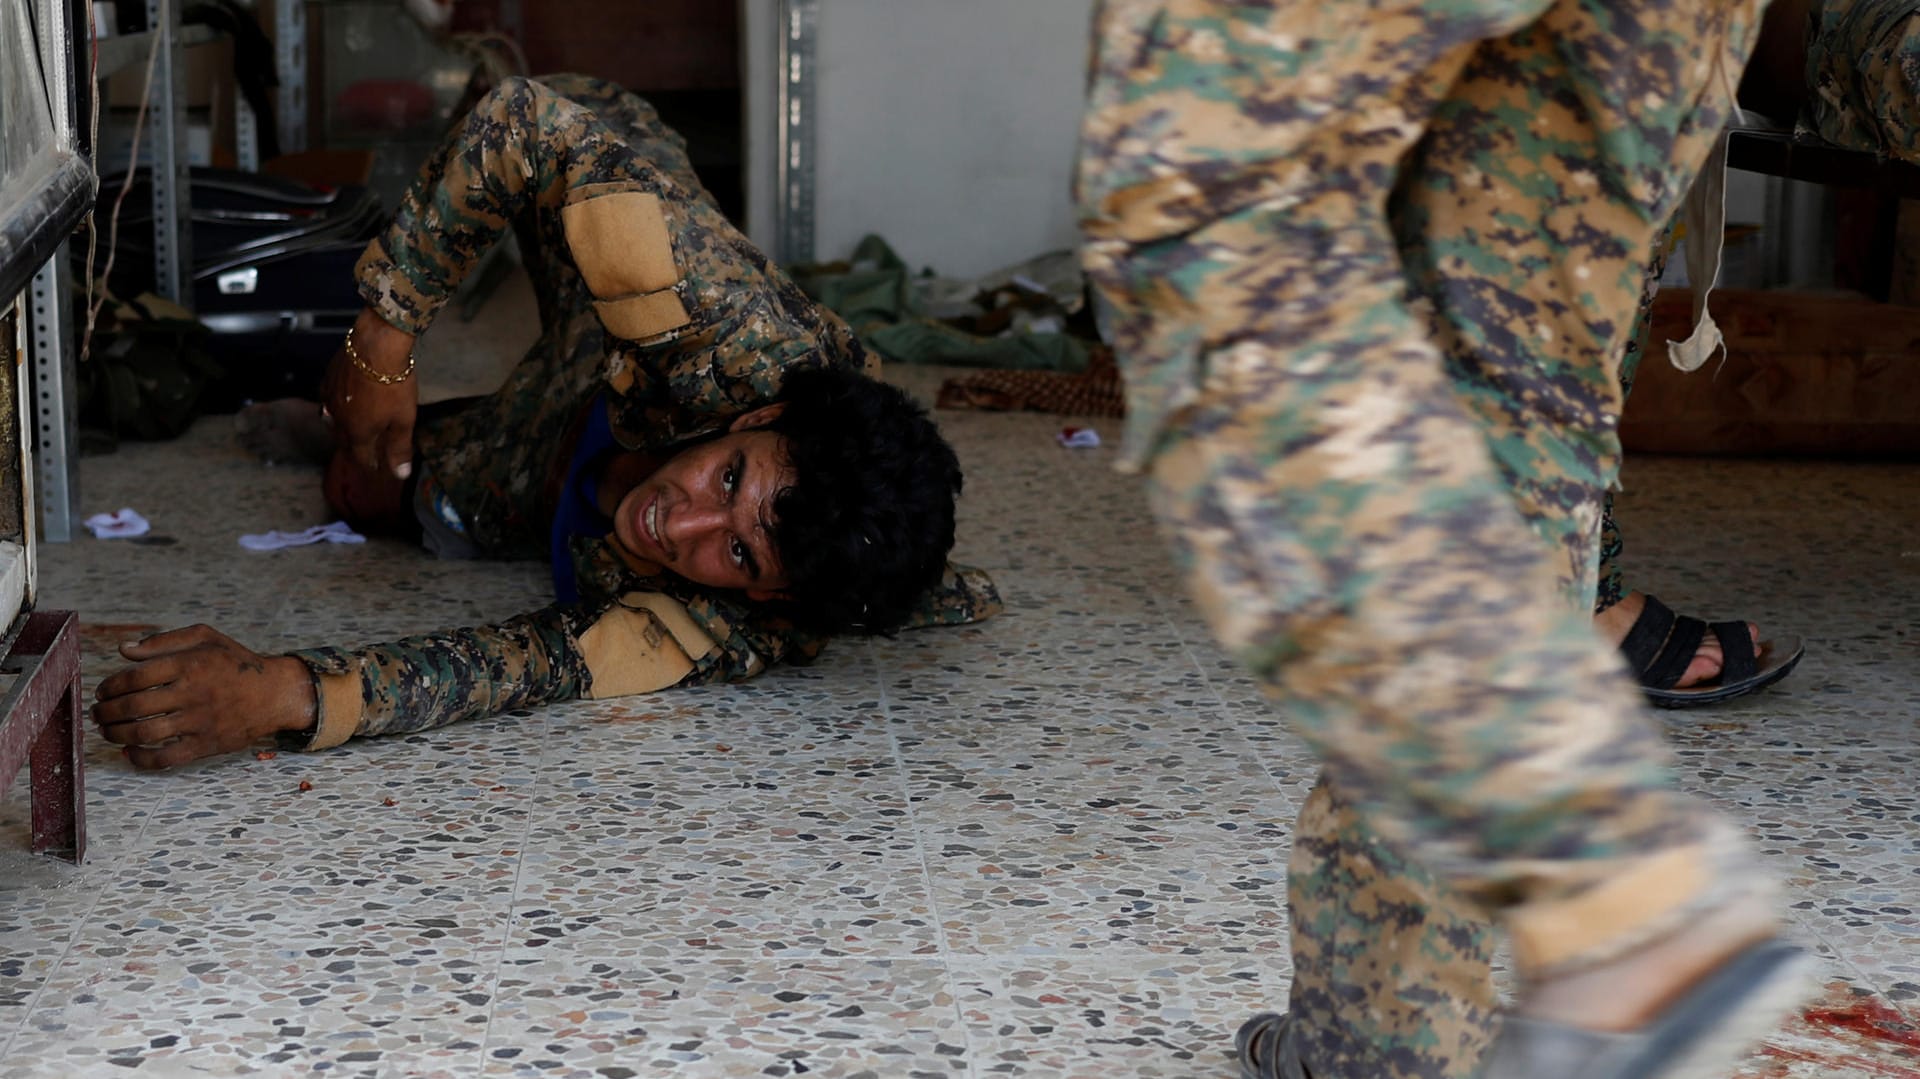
[
  {"x": 1095, "y": 1017},
  {"x": 1796, "y": 717},
  {"x": 1828, "y": 821},
  {"x": 719, "y": 853},
  {"x": 184, "y": 1010},
  {"x": 1053, "y": 844},
  {"x": 582, "y": 1015},
  {"x": 44, "y": 903},
  {"x": 1879, "y": 960},
  {"x": 1105, "y": 887},
  {"x": 1019, "y": 774}
]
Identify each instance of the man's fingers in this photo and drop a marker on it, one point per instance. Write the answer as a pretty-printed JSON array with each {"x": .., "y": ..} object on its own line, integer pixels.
[
  {"x": 362, "y": 445},
  {"x": 140, "y": 704},
  {"x": 398, "y": 452},
  {"x": 152, "y": 730},
  {"x": 163, "y": 671},
  {"x": 173, "y": 640},
  {"x": 171, "y": 755}
]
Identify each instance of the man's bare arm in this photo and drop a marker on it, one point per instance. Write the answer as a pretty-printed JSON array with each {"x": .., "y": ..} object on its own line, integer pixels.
[{"x": 373, "y": 419}]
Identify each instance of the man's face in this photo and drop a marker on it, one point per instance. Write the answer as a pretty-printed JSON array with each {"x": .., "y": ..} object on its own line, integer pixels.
[{"x": 707, "y": 514}]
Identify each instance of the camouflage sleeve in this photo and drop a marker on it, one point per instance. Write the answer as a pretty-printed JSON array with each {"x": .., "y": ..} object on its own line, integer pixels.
[
  {"x": 562, "y": 652},
  {"x": 726, "y": 639},
  {"x": 701, "y": 326},
  {"x": 965, "y": 594},
  {"x": 518, "y": 160}
]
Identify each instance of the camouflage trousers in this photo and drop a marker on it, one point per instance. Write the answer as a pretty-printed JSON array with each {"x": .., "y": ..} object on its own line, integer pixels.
[
  {"x": 1612, "y": 582},
  {"x": 1370, "y": 268}
]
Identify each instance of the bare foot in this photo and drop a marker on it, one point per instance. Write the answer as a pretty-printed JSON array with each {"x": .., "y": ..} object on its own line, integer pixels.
[
  {"x": 1629, "y": 992},
  {"x": 287, "y": 431},
  {"x": 1614, "y": 622}
]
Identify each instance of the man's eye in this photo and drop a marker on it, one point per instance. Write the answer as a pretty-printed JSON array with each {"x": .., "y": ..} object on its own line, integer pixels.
[
  {"x": 728, "y": 479},
  {"x": 739, "y": 552}
]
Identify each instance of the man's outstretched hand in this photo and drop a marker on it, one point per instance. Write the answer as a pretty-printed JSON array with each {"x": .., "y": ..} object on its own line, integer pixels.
[
  {"x": 196, "y": 692},
  {"x": 373, "y": 422}
]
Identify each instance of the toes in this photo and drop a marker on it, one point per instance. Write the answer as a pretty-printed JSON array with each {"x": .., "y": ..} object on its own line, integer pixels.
[{"x": 1703, "y": 668}]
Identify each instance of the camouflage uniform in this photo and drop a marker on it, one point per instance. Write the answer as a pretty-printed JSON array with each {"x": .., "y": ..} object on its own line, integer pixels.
[
  {"x": 1863, "y": 76},
  {"x": 1377, "y": 431},
  {"x": 645, "y": 292},
  {"x": 1612, "y": 586}
]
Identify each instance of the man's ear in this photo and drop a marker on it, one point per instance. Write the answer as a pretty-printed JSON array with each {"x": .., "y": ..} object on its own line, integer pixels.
[
  {"x": 759, "y": 417},
  {"x": 769, "y": 595}
]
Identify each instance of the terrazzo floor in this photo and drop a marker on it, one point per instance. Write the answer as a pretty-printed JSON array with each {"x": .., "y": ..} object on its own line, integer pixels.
[{"x": 1050, "y": 845}]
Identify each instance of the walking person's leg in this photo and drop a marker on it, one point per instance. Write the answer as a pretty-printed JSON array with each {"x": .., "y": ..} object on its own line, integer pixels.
[
  {"x": 1679, "y": 661},
  {"x": 1336, "y": 507}
]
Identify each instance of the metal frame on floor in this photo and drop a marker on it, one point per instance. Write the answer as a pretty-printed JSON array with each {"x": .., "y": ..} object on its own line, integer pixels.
[{"x": 40, "y": 727}]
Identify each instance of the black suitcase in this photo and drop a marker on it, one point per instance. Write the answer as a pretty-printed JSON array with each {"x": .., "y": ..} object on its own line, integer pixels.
[{"x": 272, "y": 274}]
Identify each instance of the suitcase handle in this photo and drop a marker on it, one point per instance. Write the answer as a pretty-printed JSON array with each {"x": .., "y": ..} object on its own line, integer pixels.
[{"x": 240, "y": 322}]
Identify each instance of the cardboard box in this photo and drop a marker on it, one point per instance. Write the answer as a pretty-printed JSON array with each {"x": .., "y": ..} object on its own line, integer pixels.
[{"x": 210, "y": 90}]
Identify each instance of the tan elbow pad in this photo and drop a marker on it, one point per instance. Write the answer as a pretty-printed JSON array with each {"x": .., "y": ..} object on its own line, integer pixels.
[
  {"x": 644, "y": 643},
  {"x": 621, "y": 243}
]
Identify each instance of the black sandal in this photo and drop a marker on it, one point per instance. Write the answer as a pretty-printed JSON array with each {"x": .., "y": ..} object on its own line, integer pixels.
[
  {"x": 1267, "y": 1050},
  {"x": 1660, "y": 646}
]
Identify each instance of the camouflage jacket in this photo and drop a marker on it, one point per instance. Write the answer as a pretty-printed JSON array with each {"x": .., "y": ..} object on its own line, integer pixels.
[{"x": 647, "y": 292}]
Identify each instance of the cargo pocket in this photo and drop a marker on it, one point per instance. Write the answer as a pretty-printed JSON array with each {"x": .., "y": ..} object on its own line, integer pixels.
[{"x": 621, "y": 243}]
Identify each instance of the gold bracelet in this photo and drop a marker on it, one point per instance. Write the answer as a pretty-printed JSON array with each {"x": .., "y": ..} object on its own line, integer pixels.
[{"x": 353, "y": 357}]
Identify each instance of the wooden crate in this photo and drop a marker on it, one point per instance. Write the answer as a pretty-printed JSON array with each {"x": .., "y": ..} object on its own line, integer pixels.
[{"x": 1818, "y": 374}]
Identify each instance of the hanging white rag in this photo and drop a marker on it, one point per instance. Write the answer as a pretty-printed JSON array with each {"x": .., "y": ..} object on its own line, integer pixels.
[
  {"x": 1705, "y": 212},
  {"x": 337, "y": 532},
  {"x": 117, "y": 525}
]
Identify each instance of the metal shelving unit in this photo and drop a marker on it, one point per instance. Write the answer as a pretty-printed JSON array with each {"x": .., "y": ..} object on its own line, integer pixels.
[
  {"x": 167, "y": 156},
  {"x": 53, "y": 350},
  {"x": 290, "y": 61},
  {"x": 795, "y": 167},
  {"x": 52, "y": 353}
]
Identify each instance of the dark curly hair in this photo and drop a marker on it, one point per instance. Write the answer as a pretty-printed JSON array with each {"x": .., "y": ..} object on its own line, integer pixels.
[{"x": 865, "y": 528}]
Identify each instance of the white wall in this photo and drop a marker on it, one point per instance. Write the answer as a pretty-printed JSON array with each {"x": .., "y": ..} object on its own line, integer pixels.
[{"x": 947, "y": 126}]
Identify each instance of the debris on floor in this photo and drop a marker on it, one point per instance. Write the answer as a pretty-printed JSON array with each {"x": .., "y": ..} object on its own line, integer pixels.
[
  {"x": 124, "y": 523},
  {"x": 337, "y": 532}
]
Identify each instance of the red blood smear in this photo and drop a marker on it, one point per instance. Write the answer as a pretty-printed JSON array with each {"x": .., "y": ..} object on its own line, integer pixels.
[
  {"x": 1869, "y": 1017},
  {"x": 1830, "y": 1064},
  {"x": 1862, "y": 1025}
]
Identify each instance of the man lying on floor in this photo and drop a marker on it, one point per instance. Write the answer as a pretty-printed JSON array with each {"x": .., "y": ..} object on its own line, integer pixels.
[{"x": 691, "y": 442}]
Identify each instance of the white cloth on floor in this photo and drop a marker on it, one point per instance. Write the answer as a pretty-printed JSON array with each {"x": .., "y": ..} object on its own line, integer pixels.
[
  {"x": 337, "y": 532},
  {"x": 119, "y": 525}
]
